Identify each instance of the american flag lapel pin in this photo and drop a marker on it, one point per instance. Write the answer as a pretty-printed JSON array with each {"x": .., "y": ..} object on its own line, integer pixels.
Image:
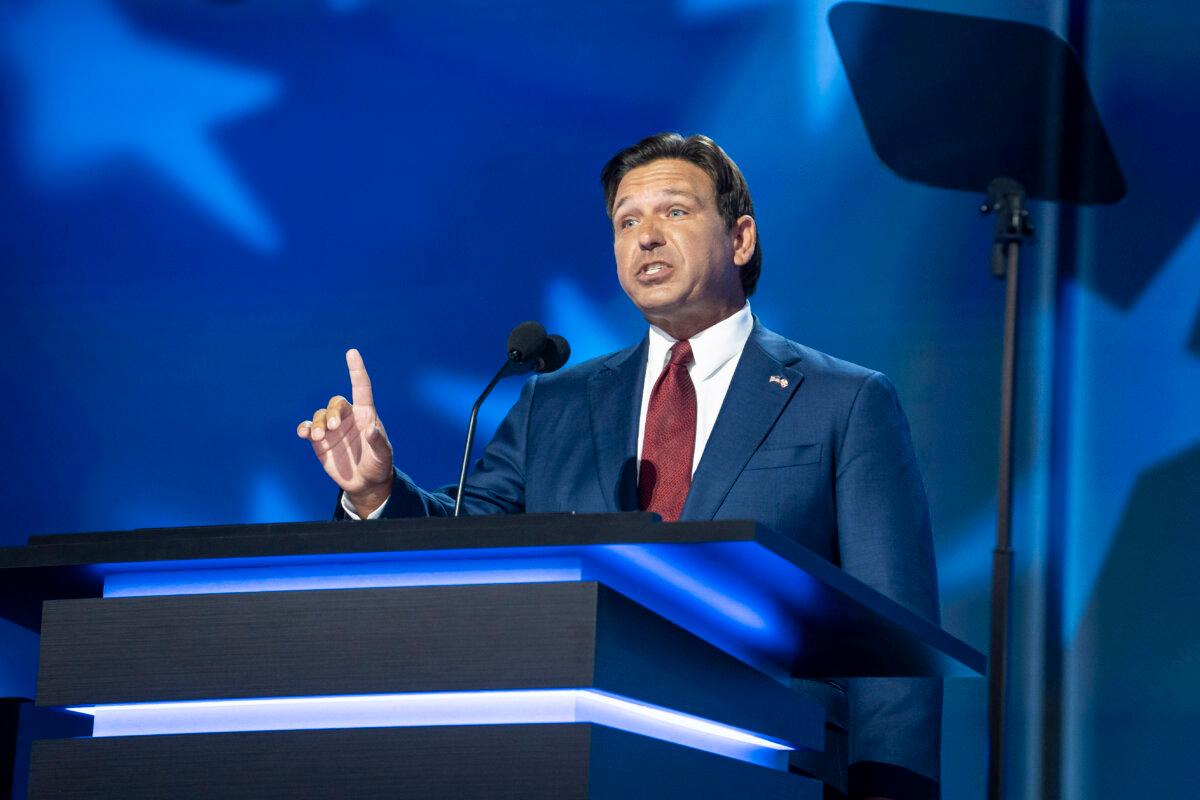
[{"x": 782, "y": 381}]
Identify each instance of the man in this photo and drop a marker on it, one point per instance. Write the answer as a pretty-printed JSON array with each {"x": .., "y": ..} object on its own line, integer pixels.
[{"x": 711, "y": 416}]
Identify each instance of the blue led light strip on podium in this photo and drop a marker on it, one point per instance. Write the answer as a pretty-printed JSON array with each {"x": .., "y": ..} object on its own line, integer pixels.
[
  {"x": 437, "y": 708},
  {"x": 298, "y": 575}
]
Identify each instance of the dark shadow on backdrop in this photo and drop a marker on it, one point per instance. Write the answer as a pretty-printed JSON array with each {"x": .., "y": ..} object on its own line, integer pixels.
[
  {"x": 1141, "y": 60},
  {"x": 1143, "y": 644}
]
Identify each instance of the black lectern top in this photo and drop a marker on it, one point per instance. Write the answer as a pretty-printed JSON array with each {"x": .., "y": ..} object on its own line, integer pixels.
[{"x": 746, "y": 589}]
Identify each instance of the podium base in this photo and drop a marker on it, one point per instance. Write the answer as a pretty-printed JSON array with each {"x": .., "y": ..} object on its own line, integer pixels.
[{"x": 521, "y": 762}]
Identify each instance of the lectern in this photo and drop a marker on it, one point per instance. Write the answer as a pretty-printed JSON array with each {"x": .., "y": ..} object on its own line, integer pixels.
[{"x": 527, "y": 656}]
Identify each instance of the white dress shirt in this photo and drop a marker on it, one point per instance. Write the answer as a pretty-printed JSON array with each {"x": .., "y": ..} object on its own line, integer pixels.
[{"x": 716, "y": 351}]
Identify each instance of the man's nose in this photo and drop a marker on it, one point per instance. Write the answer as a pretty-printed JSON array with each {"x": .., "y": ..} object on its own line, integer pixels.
[{"x": 650, "y": 235}]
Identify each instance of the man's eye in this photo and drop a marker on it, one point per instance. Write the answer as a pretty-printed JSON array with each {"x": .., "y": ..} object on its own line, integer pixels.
[
  {"x": 627, "y": 223},
  {"x": 677, "y": 212}
]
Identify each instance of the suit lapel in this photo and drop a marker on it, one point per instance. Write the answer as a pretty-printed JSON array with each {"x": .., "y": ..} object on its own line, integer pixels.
[
  {"x": 615, "y": 396},
  {"x": 762, "y": 385}
]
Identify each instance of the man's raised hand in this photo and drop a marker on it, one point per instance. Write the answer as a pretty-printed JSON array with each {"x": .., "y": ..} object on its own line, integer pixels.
[{"x": 350, "y": 442}]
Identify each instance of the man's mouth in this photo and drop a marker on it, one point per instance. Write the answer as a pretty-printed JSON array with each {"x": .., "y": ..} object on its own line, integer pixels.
[{"x": 653, "y": 268}]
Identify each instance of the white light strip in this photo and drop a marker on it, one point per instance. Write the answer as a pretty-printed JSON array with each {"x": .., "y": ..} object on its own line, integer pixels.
[
  {"x": 436, "y": 708},
  {"x": 349, "y": 575}
]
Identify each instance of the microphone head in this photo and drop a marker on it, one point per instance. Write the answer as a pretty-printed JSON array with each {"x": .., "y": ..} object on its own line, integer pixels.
[
  {"x": 554, "y": 353},
  {"x": 526, "y": 341}
]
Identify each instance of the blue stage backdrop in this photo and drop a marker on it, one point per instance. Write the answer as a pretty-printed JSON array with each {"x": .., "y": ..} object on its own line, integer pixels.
[{"x": 206, "y": 203}]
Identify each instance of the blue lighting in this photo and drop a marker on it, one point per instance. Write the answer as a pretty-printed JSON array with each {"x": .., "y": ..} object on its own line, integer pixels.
[
  {"x": 709, "y": 591},
  {"x": 1151, "y": 338},
  {"x": 98, "y": 90},
  {"x": 568, "y": 310},
  {"x": 703, "y": 590},
  {"x": 437, "y": 708},
  {"x": 688, "y": 584},
  {"x": 451, "y": 394},
  {"x": 589, "y": 325},
  {"x": 360, "y": 575}
]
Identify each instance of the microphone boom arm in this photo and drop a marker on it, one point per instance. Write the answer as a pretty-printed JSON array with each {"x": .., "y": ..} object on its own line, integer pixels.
[
  {"x": 466, "y": 459},
  {"x": 529, "y": 350}
]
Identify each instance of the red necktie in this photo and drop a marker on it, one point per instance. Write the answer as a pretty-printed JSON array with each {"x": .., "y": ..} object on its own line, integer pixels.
[{"x": 669, "y": 441}]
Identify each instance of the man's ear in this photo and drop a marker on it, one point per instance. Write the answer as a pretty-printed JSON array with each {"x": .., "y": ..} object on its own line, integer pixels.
[{"x": 744, "y": 234}]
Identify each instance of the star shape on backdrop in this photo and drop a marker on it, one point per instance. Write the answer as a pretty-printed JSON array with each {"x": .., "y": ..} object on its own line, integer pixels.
[
  {"x": 97, "y": 90},
  {"x": 569, "y": 312}
]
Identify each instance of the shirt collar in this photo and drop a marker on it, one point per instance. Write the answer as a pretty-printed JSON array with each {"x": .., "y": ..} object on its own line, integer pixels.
[{"x": 712, "y": 347}]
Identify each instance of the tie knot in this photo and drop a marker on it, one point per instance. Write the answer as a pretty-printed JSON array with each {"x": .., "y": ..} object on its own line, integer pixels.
[{"x": 681, "y": 354}]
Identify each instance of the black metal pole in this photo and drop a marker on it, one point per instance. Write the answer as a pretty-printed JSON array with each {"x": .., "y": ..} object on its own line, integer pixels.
[
  {"x": 1002, "y": 553},
  {"x": 466, "y": 459},
  {"x": 1006, "y": 199}
]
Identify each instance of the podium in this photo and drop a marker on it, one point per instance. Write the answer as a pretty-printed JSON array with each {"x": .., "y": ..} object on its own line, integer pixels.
[{"x": 526, "y": 656}]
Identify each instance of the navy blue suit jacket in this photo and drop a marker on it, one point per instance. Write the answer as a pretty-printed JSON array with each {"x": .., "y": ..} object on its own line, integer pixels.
[{"x": 827, "y": 460}]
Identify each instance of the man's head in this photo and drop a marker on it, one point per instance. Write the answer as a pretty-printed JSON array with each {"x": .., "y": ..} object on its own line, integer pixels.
[{"x": 684, "y": 235}]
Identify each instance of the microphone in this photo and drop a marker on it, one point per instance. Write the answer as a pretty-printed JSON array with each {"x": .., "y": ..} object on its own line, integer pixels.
[
  {"x": 555, "y": 352},
  {"x": 529, "y": 350},
  {"x": 525, "y": 342}
]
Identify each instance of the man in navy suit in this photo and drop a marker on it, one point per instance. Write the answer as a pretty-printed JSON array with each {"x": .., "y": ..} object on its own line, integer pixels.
[{"x": 711, "y": 416}]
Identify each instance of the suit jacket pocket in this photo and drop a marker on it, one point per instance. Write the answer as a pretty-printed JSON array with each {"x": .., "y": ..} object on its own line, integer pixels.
[{"x": 772, "y": 457}]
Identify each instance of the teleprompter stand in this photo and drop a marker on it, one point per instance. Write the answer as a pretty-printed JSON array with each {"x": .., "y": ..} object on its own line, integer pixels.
[{"x": 981, "y": 105}]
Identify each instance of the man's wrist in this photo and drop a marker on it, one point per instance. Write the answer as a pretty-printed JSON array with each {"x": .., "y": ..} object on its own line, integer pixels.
[{"x": 366, "y": 502}]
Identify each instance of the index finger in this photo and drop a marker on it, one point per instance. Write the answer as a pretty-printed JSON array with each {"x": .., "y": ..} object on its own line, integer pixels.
[{"x": 360, "y": 381}]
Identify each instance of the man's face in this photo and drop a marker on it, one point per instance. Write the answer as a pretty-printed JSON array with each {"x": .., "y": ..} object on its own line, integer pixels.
[{"x": 676, "y": 259}]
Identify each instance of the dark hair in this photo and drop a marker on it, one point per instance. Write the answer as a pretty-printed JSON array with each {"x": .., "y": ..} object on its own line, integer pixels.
[{"x": 733, "y": 195}]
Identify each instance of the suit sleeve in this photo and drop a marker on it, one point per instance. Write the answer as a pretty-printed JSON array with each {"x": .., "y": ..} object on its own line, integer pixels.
[
  {"x": 496, "y": 485},
  {"x": 885, "y": 540}
]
